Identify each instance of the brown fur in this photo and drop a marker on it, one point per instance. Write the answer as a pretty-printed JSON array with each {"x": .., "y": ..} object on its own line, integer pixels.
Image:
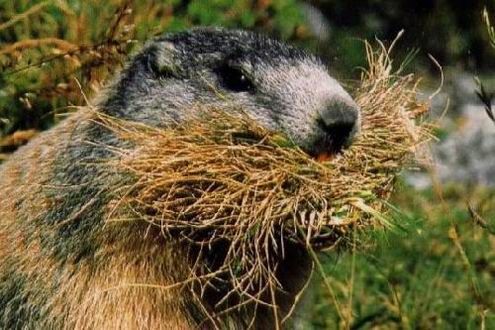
[
  {"x": 102, "y": 292},
  {"x": 132, "y": 277}
]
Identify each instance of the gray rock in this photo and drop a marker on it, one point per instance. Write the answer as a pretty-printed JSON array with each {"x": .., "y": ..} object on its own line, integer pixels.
[{"x": 467, "y": 154}]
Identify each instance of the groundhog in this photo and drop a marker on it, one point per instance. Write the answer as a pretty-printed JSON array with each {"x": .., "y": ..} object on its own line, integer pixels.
[{"x": 63, "y": 267}]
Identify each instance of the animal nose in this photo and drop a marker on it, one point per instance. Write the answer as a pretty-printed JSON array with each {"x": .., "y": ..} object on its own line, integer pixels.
[{"x": 339, "y": 121}]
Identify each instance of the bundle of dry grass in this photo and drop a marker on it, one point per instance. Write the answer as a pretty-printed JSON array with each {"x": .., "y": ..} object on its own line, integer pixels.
[{"x": 223, "y": 180}]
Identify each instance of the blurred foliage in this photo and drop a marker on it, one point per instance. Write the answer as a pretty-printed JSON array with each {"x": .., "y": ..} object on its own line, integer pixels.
[
  {"x": 53, "y": 53},
  {"x": 438, "y": 274},
  {"x": 451, "y": 30}
]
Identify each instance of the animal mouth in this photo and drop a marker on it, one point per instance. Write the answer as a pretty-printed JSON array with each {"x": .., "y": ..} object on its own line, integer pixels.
[
  {"x": 324, "y": 157},
  {"x": 332, "y": 141},
  {"x": 326, "y": 148}
]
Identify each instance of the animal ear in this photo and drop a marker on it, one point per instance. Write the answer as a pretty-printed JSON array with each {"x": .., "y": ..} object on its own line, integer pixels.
[{"x": 163, "y": 60}]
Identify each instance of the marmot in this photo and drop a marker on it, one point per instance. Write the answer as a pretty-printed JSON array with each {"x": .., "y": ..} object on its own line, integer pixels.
[{"x": 62, "y": 267}]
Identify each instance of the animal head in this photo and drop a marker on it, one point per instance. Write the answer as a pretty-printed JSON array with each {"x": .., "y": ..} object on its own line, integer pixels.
[{"x": 284, "y": 88}]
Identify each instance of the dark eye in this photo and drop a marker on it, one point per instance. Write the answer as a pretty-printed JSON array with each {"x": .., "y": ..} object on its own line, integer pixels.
[{"x": 234, "y": 79}]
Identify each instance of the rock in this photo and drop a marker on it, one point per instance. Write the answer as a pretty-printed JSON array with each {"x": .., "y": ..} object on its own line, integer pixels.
[{"x": 467, "y": 154}]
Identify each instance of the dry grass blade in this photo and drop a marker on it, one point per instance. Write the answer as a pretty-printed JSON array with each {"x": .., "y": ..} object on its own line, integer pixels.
[
  {"x": 485, "y": 98},
  {"x": 478, "y": 220},
  {"x": 489, "y": 27},
  {"x": 34, "y": 9},
  {"x": 222, "y": 182}
]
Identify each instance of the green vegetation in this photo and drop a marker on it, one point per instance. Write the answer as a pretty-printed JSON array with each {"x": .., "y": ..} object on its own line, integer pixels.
[
  {"x": 450, "y": 30},
  {"x": 439, "y": 273}
]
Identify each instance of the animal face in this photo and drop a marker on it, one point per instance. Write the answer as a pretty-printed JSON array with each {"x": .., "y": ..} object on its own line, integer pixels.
[{"x": 283, "y": 87}]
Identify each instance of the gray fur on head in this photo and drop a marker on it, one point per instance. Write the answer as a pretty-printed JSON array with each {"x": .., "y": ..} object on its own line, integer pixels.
[{"x": 287, "y": 89}]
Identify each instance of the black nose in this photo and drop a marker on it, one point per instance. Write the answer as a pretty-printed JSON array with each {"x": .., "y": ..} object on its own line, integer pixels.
[{"x": 338, "y": 123}]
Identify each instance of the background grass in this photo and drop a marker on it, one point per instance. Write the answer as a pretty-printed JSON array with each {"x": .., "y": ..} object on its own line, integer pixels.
[{"x": 438, "y": 272}]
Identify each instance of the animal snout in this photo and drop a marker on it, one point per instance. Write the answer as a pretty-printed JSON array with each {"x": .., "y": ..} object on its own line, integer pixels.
[{"x": 337, "y": 125}]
